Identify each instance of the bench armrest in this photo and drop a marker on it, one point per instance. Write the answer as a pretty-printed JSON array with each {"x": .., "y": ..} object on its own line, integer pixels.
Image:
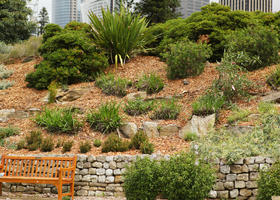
[{"x": 62, "y": 171}]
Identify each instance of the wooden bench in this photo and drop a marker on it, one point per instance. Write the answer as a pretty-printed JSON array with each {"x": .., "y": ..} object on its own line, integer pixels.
[{"x": 44, "y": 170}]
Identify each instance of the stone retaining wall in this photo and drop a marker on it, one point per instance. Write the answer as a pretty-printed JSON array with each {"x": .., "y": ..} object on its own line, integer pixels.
[{"x": 101, "y": 176}]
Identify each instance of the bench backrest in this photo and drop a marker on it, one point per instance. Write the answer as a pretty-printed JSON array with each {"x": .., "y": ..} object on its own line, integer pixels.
[{"x": 46, "y": 167}]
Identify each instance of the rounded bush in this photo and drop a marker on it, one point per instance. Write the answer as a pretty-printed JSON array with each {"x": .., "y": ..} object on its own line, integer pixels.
[
  {"x": 69, "y": 57},
  {"x": 141, "y": 180},
  {"x": 269, "y": 182},
  {"x": 260, "y": 43},
  {"x": 186, "y": 59},
  {"x": 50, "y": 30},
  {"x": 187, "y": 178}
]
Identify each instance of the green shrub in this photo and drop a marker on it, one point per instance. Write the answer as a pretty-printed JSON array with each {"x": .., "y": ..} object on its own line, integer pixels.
[
  {"x": 269, "y": 182},
  {"x": 114, "y": 144},
  {"x": 67, "y": 145},
  {"x": 97, "y": 143},
  {"x": 4, "y": 48},
  {"x": 59, "y": 143},
  {"x": 111, "y": 85},
  {"x": 166, "y": 110},
  {"x": 190, "y": 136},
  {"x": 5, "y": 85},
  {"x": 58, "y": 120},
  {"x": 51, "y": 30},
  {"x": 150, "y": 83},
  {"x": 4, "y": 73},
  {"x": 120, "y": 34},
  {"x": 107, "y": 119},
  {"x": 186, "y": 59},
  {"x": 208, "y": 104},
  {"x": 47, "y": 144},
  {"x": 8, "y": 131},
  {"x": 231, "y": 82},
  {"x": 274, "y": 79},
  {"x": 138, "y": 139},
  {"x": 141, "y": 179},
  {"x": 147, "y": 148},
  {"x": 259, "y": 42},
  {"x": 33, "y": 140},
  {"x": 85, "y": 147},
  {"x": 69, "y": 57},
  {"x": 187, "y": 178},
  {"x": 138, "y": 107},
  {"x": 21, "y": 145},
  {"x": 52, "y": 88}
]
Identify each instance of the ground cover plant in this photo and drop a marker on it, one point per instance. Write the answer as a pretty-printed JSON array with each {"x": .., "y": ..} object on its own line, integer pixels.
[
  {"x": 120, "y": 34},
  {"x": 111, "y": 85},
  {"x": 186, "y": 59},
  {"x": 274, "y": 79},
  {"x": 59, "y": 120},
  {"x": 150, "y": 83},
  {"x": 263, "y": 139},
  {"x": 208, "y": 104},
  {"x": 67, "y": 145},
  {"x": 106, "y": 119},
  {"x": 138, "y": 107},
  {"x": 70, "y": 56},
  {"x": 33, "y": 140},
  {"x": 85, "y": 147},
  {"x": 8, "y": 131}
]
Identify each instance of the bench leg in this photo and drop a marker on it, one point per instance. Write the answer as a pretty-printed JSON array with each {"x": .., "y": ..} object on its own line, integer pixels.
[
  {"x": 1, "y": 189},
  {"x": 72, "y": 191},
  {"x": 59, "y": 192}
]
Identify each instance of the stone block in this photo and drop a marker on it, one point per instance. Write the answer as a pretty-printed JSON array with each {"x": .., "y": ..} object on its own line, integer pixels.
[
  {"x": 219, "y": 186},
  {"x": 109, "y": 172},
  {"x": 92, "y": 171},
  {"x": 213, "y": 194},
  {"x": 234, "y": 193},
  {"x": 106, "y": 165},
  {"x": 229, "y": 185},
  {"x": 250, "y": 160},
  {"x": 245, "y": 192},
  {"x": 260, "y": 159},
  {"x": 91, "y": 158},
  {"x": 86, "y": 178},
  {"x": 251, "y": 184},
  {"x": 231, "y": 177},
  {"x": 253, "y": 167},
  {"x": 117, "y": 172},
  {"x": 87, "y": 165},
  {"x": 242, "y": 177},
  {"x": 97, "y": 165},
  {"x": 82, "y": 193},
  {"x": 100, "y": 171},
  {"x": 110, "y": 179},
  {"x": 101, "y": 179},
  {"x": 101, "y": 159},
  {"x": 223, "y": 194},
  {"x": 239, "y": 184},
  {"x": 225, "y": 169},
  {"x": 84, "y": 172},
  {"x": 269, "y": 160},
  {"x": 254, "y": 176}
]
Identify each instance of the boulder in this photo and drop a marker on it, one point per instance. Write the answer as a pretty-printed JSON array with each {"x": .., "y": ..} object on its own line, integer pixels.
[
  {"x": 135, "y": 95},
  {"x": 7, "y": 114},
  {"x": 272, "y": 97},
  {"x": 151, "y": 129},
  {"x": 199, "y": 125},
  {"x": 73, "y": 94},
  {"x": 129, "y": 129},
  {"x": 168, "y": 130}
]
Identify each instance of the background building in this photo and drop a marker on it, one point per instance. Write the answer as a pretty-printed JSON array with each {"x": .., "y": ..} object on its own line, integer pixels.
[
  {"x": 95, "y": 6},
  {"x": 65, "y": 11},
  {"x": 248, "y": 5},
  {"x": 190, "y": 6}
]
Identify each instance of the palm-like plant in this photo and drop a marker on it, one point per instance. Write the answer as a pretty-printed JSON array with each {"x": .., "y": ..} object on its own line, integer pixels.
[{"x": 121, "y": 34}]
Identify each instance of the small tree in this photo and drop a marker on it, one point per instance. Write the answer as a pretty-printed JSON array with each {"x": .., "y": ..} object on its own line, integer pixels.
[
  {"x": 158, "y": 11},
  {"x": 44, "y": 19}
]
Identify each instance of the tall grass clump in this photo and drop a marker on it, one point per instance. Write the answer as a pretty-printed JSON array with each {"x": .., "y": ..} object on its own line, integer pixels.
[
  {"x": 120, "y": 34},
  {"x": 151, "y": 83},
  {"x": 106, "y": 119},
  {"x": 58, "y": 120},
  {"x": 138, "y": 107},
  {"x": 166, "y": 110},
  {"x": 5, "y": 73},
  {"x": 22, "y": 49}
]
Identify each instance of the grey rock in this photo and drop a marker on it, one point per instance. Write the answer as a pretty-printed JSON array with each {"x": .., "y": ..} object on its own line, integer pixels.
[
  {"x": 213, "y": 194},
  {"x": 129, "y": 129},
  {"x": 168, "y": 130},
  {"x": 151, "y": 129},
  {"x": 199, "y": 125},
  {"x": 233, "y": 193},
  {"x": 136, "y": 95},
  {"x": 186, "y": 82},
  {"x": 272, "y": 97}
]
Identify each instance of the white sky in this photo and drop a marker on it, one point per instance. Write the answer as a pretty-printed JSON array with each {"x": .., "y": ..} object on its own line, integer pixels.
[{"x": 48, "y": 5}]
